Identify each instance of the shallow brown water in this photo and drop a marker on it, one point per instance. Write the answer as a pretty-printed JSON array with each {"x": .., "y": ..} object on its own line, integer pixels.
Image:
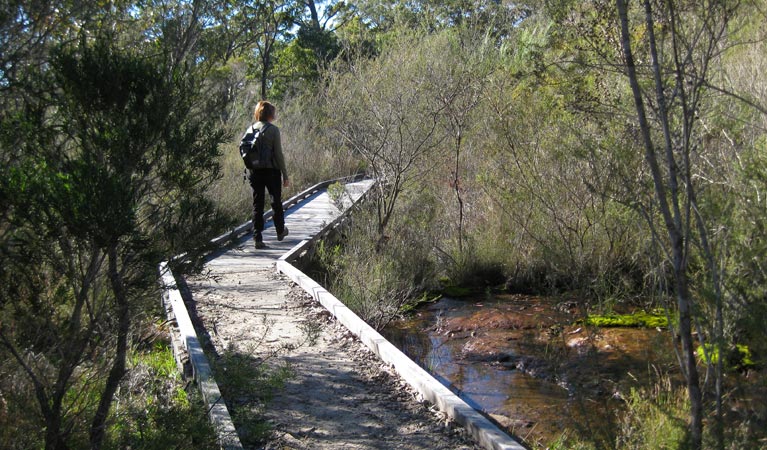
[{"x": 524, "y": 362}]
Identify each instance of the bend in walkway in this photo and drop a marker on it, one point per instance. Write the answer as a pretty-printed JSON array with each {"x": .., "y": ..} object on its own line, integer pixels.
[{"x": 243, "y": 293}]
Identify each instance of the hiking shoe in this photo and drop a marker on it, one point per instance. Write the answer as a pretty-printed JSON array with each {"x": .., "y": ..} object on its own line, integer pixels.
[
  {"x": 281, "y": 236},
  {"x": 260, "y": 245}
]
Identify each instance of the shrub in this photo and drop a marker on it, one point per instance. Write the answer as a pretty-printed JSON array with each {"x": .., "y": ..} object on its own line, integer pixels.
[{"x": 377, "y": 277}]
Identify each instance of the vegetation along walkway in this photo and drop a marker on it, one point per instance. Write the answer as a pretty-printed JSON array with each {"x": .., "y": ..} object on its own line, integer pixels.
[{"x": 272, "y": 340}]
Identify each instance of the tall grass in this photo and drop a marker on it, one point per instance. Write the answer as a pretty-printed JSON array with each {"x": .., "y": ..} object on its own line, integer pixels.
[
  {"x": 655, "y": 417},
  {"x": 156, "y": 410}
]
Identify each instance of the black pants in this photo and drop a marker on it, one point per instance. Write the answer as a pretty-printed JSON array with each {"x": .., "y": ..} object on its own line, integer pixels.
[{"x": 271, "y": 180}]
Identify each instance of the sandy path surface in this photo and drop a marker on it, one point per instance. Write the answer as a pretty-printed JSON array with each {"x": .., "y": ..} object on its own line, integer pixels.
[{"x": 339, "y": 396}]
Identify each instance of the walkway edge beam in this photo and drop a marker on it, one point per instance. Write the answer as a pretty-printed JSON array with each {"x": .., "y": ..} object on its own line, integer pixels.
[
  {"x": 201, "y": 371},
  {"x": 483, "y": 430},
  {"x": 176, "y": 311}
]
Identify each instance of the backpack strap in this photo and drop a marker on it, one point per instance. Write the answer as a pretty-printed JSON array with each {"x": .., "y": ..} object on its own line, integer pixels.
[{"x": 262, "y": 129}]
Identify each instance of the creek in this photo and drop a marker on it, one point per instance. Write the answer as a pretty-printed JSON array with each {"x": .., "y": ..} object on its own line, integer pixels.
[{"x": 526, "y": 362}]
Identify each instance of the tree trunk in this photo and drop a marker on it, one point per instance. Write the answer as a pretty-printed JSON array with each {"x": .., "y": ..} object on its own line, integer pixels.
[
  {"x": 72, "y": 350},
  {"x": 98, "y": 426},
  {"x": 265, "y": 63},
  {"x": 457, "y": 188},
  {"x": 688, "y": 350},
  {"x": 53, "y": 438},
  {"x": 313, "y": 12},
  {"x": 263, "y": 84},
  {"x": 675, "y": 230}
]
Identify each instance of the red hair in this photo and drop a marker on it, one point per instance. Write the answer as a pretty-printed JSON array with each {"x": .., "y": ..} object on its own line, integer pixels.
[{"x": 264, "y": 111}]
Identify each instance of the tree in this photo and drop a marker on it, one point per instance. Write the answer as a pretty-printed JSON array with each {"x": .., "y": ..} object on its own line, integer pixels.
[
  {"x": 271, "y": 23},
  {"x": 459, "y": 71},
  {"x": 111, "y": 178},
  {"x": 496, "y": 18},
  {"x": 681, "y": 53},
  {"x": 228, "y": 46},
  {"x": 317, "y": 31},
  {"x": 385, "y": 112}
]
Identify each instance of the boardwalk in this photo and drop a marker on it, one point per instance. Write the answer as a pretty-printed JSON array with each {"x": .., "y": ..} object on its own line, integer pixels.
[{"x": 338, "y": 396}]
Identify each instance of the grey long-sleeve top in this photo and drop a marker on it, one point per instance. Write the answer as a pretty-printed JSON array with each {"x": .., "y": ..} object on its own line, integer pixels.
[{"x": 272, "y": 139}]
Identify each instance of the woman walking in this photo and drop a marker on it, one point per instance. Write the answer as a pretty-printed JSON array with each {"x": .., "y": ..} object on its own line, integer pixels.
[{"x": 271, "y": 178}]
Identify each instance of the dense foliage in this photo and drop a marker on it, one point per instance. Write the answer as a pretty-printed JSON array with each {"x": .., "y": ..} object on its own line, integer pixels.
[
  {"x": 609, "y": 149},
  {"x": 612, "y": 149}
]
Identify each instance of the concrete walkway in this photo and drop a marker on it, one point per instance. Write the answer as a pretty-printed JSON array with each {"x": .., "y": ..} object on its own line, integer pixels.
[{"x": 339, "y": 396}]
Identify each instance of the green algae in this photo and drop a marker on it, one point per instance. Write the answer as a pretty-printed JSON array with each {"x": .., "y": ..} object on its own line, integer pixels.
[
  {"x": 640, "y": 319},
  {"x": 739, "y": 358}
]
